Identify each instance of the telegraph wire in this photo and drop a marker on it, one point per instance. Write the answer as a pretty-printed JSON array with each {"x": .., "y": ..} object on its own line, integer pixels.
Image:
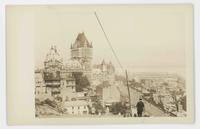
[
  {"x": 118, "y": 61},
  {"x": 129, "y": 97}
]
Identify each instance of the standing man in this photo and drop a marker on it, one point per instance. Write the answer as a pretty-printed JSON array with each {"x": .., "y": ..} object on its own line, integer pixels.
[{"x": 140, "y": 107}]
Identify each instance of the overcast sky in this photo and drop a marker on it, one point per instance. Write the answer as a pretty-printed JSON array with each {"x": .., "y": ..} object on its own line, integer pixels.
[{"x": 145, "y": 38}]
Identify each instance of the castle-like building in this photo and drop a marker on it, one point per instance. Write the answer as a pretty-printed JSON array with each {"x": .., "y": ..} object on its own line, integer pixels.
[
  {"x": 103, "y": 72},
  {"x": 81, "y": 51},
  {"x": 62, "y": 82},
  {"x": 58, "y": 79}
]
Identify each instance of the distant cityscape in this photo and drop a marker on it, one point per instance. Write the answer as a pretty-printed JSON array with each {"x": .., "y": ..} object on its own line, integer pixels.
[{"x": 79, "y": 88}]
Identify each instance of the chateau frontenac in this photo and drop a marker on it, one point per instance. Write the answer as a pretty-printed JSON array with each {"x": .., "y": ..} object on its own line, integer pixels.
[
  {"x": 60, "y": 79},
  {"x": 81, "y": 51}
]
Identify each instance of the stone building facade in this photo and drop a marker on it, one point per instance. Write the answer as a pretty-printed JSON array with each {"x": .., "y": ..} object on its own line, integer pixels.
[{"x": 81, "y": 50}]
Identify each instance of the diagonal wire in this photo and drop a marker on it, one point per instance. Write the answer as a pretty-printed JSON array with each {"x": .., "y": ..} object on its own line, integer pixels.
[
  {"x": 116, "y": 59},
  {"x": 109, "y": 41}
]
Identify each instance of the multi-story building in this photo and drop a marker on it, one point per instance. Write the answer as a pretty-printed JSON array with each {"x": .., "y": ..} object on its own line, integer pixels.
[
  {"x": 52, "y": 69},
  {"x": 108, "y": 93},
  {"x": 103, "y": 72},
  {"x": 41, "y": 91},
  {"x": 68, "y": 86},
  {"x": 81, "y": 50},
  {"x": 57, "y": 79},
  {"x": 76, "y": 107},
  {"x": 111, "y": 94},
  {"x": 53, "y": 61}
]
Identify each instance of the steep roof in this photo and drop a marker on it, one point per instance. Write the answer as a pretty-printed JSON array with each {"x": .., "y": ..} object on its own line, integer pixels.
[{"x": 81, "y": 41}]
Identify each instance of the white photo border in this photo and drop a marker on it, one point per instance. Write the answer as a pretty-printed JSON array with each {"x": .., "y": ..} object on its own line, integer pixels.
[{"x": 196, "y": 3}]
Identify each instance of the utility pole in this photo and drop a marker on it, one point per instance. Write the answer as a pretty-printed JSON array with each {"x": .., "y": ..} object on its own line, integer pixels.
[
  {"x": 129, "y": 96},
  {"x": 118, "y": 61}
]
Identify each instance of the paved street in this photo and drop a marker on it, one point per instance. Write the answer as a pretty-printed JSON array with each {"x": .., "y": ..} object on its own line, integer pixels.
[{"x": 149, "y": 108}]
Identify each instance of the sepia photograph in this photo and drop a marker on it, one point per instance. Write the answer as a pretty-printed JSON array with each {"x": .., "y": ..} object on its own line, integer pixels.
[
  {"x": 76, "y": 77},
  {"x": 102, "y": 61}
]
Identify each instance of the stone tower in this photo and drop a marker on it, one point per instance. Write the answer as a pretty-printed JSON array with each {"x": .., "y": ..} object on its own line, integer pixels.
[{"x": 81, "y": 50}]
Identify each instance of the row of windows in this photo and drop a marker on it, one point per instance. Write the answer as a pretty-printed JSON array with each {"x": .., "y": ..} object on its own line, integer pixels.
[
  {"x": 79, "y": 107},
  {"x": 84, "y": 112},
  {"x": 38, "y": 92}
]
